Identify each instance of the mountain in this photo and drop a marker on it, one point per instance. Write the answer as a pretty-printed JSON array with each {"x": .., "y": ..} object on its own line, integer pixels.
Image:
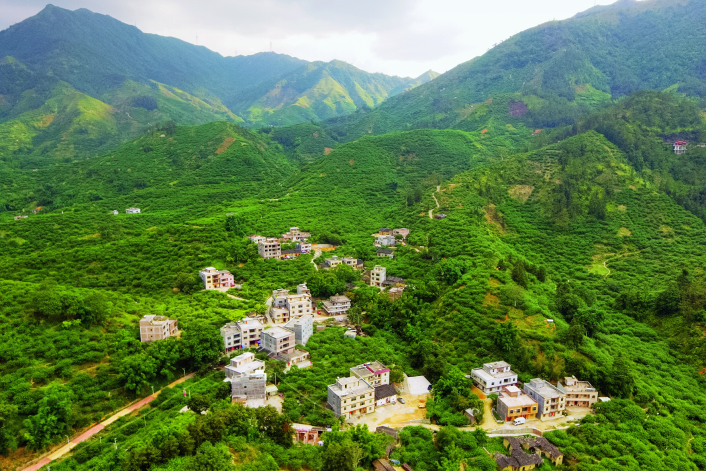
[
  {"x": 319, "y": 91},
  {"x": 556, "y": 72},
  {"x": 143, "y": 79}
]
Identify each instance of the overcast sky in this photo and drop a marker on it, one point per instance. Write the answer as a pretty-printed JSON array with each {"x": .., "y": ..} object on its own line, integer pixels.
[{"x": 397, "y": 37}]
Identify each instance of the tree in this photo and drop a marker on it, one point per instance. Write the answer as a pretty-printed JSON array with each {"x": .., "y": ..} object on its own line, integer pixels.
[
  {"x": 137, "y": 370},
  {"x": 201, "y": 345},
  {"x": 505, "y": 336},
  {"x": 513, "y": 294},
  {"x": 343, "y": 456},
  {"x": 274, "y": 425},
  {"x": 53, "y": 418},
  {"x": 575, "y": 333},
  {"x": 396, "y": 374},
  {"x": 198, "y": 403},
  {"x": 211, "y": 458},
  {"x": 355, "y": 315},
  {"x": 8, "y": 413},
  {"x": 519, "y": 275},
  {"x": 621, "y": 380},
  {"x": 667, "y": 302},
  {"x": 597, "y": 206},
  {"x": 188, "y": 283}
]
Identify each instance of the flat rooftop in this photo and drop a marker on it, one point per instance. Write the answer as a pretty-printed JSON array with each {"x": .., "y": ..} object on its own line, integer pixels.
[
  {"x": 278, "y": 332},
  {"x": 481, "y": 373},
  {"x": 544, "y": 388},
  {"x": 362, "y": 387},
  {"x": 519, "y": 401}
]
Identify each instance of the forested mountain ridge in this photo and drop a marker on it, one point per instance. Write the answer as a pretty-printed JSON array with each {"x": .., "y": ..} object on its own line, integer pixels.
[{"x": 559, "y": 71}]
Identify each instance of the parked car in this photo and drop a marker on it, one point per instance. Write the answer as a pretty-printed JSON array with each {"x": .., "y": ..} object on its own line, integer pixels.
[
  {"x": 519, "y": 421},
  {"x": 400, "y": 400}
]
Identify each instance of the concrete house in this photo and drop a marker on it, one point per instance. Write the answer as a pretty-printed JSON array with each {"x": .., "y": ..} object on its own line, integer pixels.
[
  {"x": 247, "y": 377},
  {"x": 385, "y": 240},
  {"x": 385, "y": 394},
  {"x": 269, "y": 248},
  {"x": 20, "y": 217},
  {"x": 404, "y": 232},
  {"x": 295, "y": 235},
  {"x": 374, "y": 373},
  {"x": 389, "y": 253},
  {"x": 337, "y": 305},
  {"x": 255, "y": 238},
  {"x": 242, "y": 334},
  {"x": 157, "y": 328},
  {"x": 115, "y": 212},
  {"x": 297, "y": 357},
  {"x": 303, "y": 328},
  {"x": 214, "y": 279},
  {"x": 286, "y": 306},
  {"x": 680, "y": 147},
  {"x": 351, "y": 396},
  {"x": 579, "y": 393},
  {"x": 551, "y": 400},
  {"x": 378, "y": 275},
  {"x": 493, "y": 377},
  {"x": 303, "y": 247},
  {"x": 513, "y": 403},
  {"x": 132, "y": 210},
  {"x": 277, "y": 340},
  {"x": 384, "y": 231}
]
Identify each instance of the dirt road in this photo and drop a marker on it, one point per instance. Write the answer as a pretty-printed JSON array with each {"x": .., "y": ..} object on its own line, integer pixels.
[{"x": 431, "y": 211}]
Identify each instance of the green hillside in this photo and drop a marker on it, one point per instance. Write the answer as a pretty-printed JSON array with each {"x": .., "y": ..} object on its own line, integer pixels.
[
  {"x": 558, "y": 71},
  {"x": 320, "y": 91}
]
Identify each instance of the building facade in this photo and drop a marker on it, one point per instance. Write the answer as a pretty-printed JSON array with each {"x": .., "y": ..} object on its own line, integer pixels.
[
  {"x": 374, "y": 373},
  {"x": 214, "y": 279},
  {"x": 247, "y": 377},
  {"x": 287, "y": 306},
  {"x": 385, "y": 394},
  {"x": 303, "y": 328},
  {"x": 579, "y": 393},
  {"x": 337, "y": 305},
  {"x": 277, "y": 340},
  {"x": 551, "y": 401},
  {"x": 157, "y": 328},
  {"x": 351, "y": 396},
  {"x": 378, "y": 275},
  {"x": 385, "y": 240},
  {"x": 389, "y": 253},
  {"x": 269, "y": 248},
  {"x": 242, "y": 334},
  {"x": 513, "y": 403},
  {"x": 493, "y": 377},
  {"x": 132, "y": 210}
]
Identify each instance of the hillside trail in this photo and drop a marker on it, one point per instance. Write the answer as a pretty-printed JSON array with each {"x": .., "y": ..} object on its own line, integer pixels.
[
  {"x": 55, "y": 455},
  {"x": 431, "y": 211}
]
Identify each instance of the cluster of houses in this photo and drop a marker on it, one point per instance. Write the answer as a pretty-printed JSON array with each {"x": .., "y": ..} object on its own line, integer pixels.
[
  {"x": 540, "y": 399},
  {"x": 367, "y": 387},
  {"x": 386, "y": 238},
  {"x": 271, "y": 247},
  {"x": 680, "y": 146}
]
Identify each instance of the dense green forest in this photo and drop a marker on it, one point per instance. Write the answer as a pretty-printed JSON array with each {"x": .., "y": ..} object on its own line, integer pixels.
[{"x": 573, "y": 242}]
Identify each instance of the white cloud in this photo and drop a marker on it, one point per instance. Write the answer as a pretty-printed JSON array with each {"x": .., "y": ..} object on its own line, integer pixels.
[{"x": 398, "y": 37}]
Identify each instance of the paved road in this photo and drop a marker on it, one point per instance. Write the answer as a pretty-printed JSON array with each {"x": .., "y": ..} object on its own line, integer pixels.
[{"x": 56, "y": 454}]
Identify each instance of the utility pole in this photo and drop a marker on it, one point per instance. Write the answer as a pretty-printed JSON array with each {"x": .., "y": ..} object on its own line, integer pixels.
[
  {"x": 115, "y": 444},
  {"x": 184, "y": 372}
]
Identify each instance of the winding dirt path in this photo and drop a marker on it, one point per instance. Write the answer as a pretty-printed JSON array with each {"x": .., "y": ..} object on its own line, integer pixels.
[{"x": 431, "y": 211}]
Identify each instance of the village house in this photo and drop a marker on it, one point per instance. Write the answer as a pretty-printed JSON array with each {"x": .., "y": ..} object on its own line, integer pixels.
[
  {"x": 374, "y": 373},
  {"x": 395, "y": 292},
  {"x": 277, "y": 340},
  {"x": 20, "y": 217},
  {"x": 404, "y": 232},
  {"x": 157, "y": 328},
  {"x": 247, "y": 377},
  {"x": 389, "y": 253},
  {"x": 351, "y": 396},
  {"x": 286, "y": 306},
  {"x": 513, "y": 403},
  {"x": 385, "y": 240},
  {"x": 378, "y": 276},
  {"x": 289, "y": 254},
  {"x": 295, "y": 235},
  {"x": 578, "y": 393},
  {"x": 132, "y": 210},
  {"x": 440, "y": 216},
  {"x": 385, "y": 394},
  {"x": 384, "y": 231},
  {"x": 551, "y": 400},
  {"x": 256, "y": 238},
  {"x": 303, "y": 328},
  {"x": 296, "y": 357},
  {"x": 535, "y": 445},
  {"x": 470, "y": 415},
  {"x": 214, "y": 279},
  {"x": 337, "y": 305},
  {"x": 242, "y": 334},
  {"x": 115, "y": 212},
  {"x": 350, "y": 334},
  {"x": 680, "y": 147},
  {"x": 303, "y": 247},
  {"x": 493, "y": 377},
  {"x": 269, "y": 248},
  {"x": 335, "y": 261}
]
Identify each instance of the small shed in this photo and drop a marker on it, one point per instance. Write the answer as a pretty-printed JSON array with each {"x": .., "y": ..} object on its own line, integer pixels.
[
  {"x": 350, "y": 334},
  {"x": 470, "y": 415},
  {"x": 271, "y": 390}
]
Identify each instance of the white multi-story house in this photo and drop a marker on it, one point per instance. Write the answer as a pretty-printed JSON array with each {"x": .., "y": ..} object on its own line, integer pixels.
[
  {"x": 385, "y": 240},
  {"x": 578, "y": 393},
  {"x": 115, "y": 212},
  {"x": 247, "y": 377},
  {"x": 242, "y": 334},
  {"x": 269, "y": 248},
  {"x": 214, "y": 279},
  {"x": 295, "y": 235},
  {"x": 493, "y": 377},
  {"x": 277, "y": 340},
  {"x": 337, "y": 305},
  {"x": 303, "y": 328},
  {"x": 255, "y": 238},
  {"x": 157, "y": 328},
  {"x": 378, "y": 276},
  {"x": 351, "y": 396},
  {"x": 287, "y": 306},
  {"x": 551, "y": 400},
  {"x": 374, "y": 373},
  {"x": 303, "y": 247},
  {"x": 132, "y": 210}
]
